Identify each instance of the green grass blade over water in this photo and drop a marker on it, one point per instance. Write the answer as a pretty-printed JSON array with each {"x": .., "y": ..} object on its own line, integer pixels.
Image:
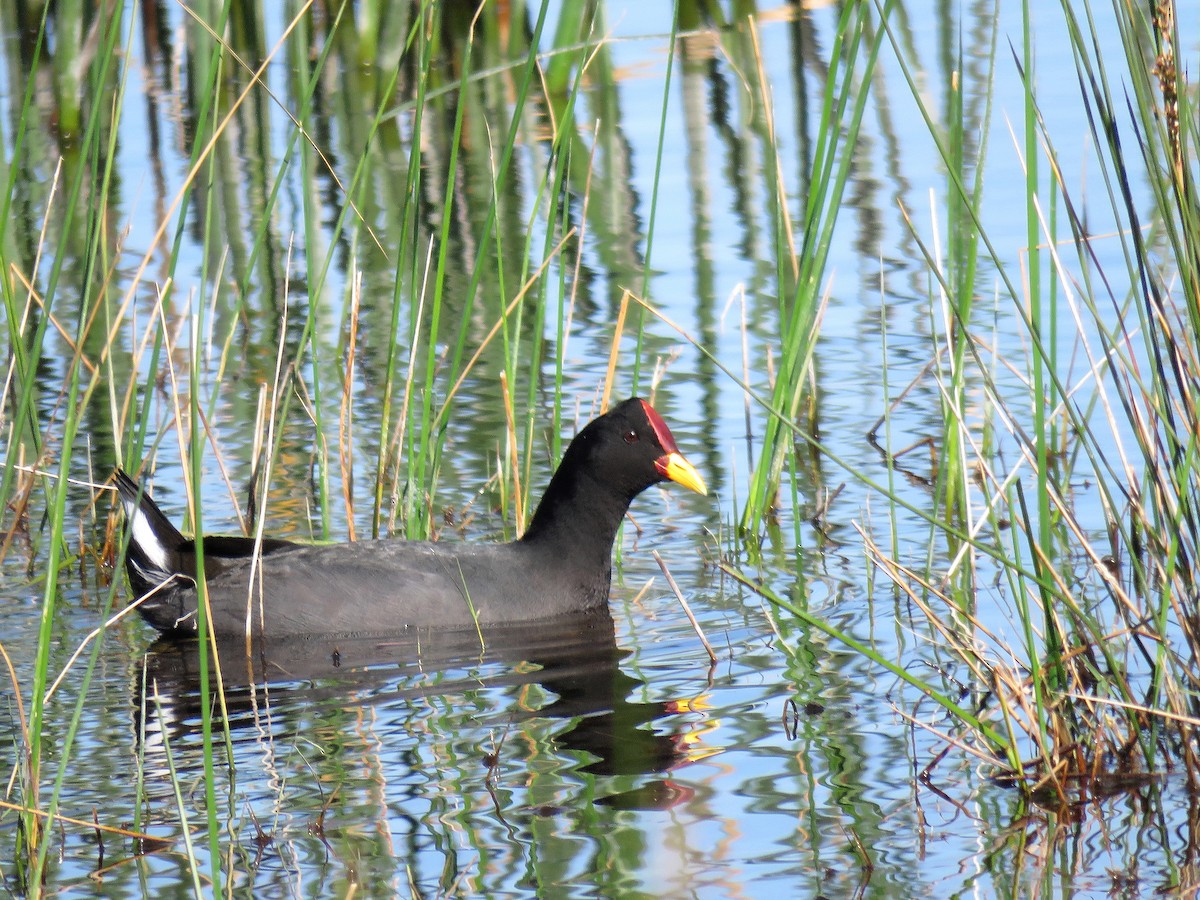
[
  {"x": 845, "y": 102},
  {"x": 354, "y": 244},
  {"x": 996, "y": 742}
]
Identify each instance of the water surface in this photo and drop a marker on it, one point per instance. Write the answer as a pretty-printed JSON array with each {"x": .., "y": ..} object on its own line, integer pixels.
[{"x": 601, "y": 758}]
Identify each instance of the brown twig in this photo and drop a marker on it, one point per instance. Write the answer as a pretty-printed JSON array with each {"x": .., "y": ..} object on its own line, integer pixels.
[{"x": 712, "y": 655}]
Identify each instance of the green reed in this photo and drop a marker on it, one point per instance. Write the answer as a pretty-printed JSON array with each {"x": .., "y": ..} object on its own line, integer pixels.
[
  {"x": 468, "y": 292},
  {"x": 1069, "y": 692},
  {"x": 169, "y": 394},
  {"x": 801, "y": 268},
  {"x": 1088, "y": 686},
  {"x": 88, "y": 174}
]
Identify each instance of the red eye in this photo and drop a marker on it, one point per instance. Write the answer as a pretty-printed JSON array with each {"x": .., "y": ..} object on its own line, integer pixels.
[{"x": 631, "y": 436}]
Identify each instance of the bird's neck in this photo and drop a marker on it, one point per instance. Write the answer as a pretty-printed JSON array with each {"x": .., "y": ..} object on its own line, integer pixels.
[{"x": 577, "y": 518}]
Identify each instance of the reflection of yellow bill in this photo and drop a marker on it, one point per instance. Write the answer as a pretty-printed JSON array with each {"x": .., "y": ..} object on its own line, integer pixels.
[
  {"x": 699, "y": 751},
  {"x": 698, "y": 703},
  {"x": 691, "y": 742}
]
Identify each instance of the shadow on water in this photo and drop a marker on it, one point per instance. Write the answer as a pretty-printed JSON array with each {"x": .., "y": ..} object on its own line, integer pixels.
[{"x": 566, "y": 671}]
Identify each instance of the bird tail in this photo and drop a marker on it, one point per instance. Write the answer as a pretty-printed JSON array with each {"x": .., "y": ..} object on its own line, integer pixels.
[{"x": 154, "y": 543}]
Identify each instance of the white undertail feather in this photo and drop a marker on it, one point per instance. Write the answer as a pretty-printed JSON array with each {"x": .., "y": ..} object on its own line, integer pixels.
[{"x": 145, "y": 538}]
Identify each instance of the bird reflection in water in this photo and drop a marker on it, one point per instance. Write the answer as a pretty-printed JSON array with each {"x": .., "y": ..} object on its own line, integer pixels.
[{"x": 566, "y": 670}]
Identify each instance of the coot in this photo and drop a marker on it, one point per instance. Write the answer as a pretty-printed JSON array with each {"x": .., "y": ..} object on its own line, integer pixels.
[{"x": 562, "y": 565}]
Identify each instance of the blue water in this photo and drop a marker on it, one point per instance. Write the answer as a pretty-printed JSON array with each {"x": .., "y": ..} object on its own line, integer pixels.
[{"x": 628, "y": 766}]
